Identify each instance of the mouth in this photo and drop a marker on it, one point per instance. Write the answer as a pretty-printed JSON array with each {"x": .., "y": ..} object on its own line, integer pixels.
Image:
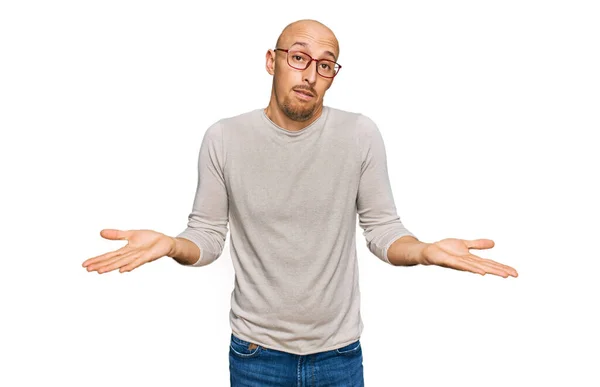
[{"x": 304, "y": 95}]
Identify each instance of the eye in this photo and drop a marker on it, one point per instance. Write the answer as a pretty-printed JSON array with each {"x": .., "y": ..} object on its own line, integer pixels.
[
  {"x": 325, "y": 66},
  {"x": 298, "y": 58}
]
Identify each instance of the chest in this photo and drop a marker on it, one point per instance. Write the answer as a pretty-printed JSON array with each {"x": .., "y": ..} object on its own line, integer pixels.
[{"x": 291, "y": 180}]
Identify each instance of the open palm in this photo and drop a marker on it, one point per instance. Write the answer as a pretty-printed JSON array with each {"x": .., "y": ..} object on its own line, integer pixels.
[
  {"x": 454, "y": 253},
  {"x": 143, "y": 246}
]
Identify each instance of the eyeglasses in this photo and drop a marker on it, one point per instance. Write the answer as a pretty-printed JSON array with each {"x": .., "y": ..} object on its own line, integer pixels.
[{"x": 300, "y": 61}]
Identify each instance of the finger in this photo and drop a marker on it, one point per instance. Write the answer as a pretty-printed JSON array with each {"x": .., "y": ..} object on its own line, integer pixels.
[
  {"x": 103, "y": 257},
  {"x": 480, "y": 244},
  {"x": 121, "y": 261},
  {"x": 109, "y": 262},
  {"x": 495, "y": 265},
  {"x": 113, "y": 234},
  {"x": 467, "y": 266},
  {"x": 491, "y": 270},
  {"x": 484, "y": 268},
  {"x": 509, "y": 270},
  {"x": 494, "y": 268},
  {"x": 136, "y": 263},
  {"x": 459, "y": 263}
]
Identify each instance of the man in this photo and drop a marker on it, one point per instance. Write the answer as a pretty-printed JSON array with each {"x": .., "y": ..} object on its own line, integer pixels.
[{"x": 290, "y": 180}]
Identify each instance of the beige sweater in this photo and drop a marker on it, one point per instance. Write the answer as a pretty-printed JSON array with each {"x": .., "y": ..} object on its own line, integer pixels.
[{"x": 291, "y": 199}]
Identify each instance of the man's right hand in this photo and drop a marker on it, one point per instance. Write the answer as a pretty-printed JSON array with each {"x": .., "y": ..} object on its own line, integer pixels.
[{"x": 143, "y": 246}]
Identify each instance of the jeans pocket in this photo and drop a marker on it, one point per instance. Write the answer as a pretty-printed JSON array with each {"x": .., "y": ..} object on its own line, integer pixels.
[
  {"x": 243, "y": 348},
  {"x": 350, "y": 349}
]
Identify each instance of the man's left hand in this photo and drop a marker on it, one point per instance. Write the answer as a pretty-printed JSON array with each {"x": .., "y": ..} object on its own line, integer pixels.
[{"x": 454, "y": 253}]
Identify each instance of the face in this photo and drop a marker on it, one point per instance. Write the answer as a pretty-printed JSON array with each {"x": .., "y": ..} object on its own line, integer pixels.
[{"x": 299, "y": 93}]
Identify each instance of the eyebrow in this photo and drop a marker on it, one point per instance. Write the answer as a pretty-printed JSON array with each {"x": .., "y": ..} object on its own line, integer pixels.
[{"x": 303, "y": 44}]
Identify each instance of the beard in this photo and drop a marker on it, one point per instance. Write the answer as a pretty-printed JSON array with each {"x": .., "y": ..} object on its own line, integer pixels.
[{"x": 297, "y": 111}]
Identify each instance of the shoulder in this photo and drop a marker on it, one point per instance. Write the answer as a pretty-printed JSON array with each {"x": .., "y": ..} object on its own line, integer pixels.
[
  {"x": 359, "y": 125},
  {"x": 226, "y": 125},
  {"x": 241, "y": 118},
  {"x": 337, "y": 117},
  {"x": 362, "y": 123}
]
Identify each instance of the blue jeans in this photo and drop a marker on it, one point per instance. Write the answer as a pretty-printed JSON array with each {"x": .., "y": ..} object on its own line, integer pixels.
[{"x": 253, "y": 366}]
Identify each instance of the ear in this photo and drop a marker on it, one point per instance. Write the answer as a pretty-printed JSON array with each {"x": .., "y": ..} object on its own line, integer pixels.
[{"x": 270, "y": 61}]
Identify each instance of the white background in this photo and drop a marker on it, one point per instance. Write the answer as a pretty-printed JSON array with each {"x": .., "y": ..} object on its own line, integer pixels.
[{"x": 489, "y": 112}]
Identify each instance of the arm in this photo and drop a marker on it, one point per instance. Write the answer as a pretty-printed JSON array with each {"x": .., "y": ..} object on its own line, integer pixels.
[
  {"x": 406, "y": 251},
  {"x": 208, "y": 221},
  {"x": 387, "y": 237},
  {"x": 200, "y": 243},
  {"x": 184, "y": 251},
  {"x": 375, "y": 203}
]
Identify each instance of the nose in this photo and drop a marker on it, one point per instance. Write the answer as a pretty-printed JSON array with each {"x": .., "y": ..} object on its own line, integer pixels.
[{"x": 310, "y": 73}]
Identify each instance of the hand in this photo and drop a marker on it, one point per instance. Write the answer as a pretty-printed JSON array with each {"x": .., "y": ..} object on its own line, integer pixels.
[
  {"x": 454, "y": 253},
  {"x": 144, "y": 246}
]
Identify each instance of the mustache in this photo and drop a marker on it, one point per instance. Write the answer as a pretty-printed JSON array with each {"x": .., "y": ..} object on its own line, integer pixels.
[{"x": 306, "y": 88}]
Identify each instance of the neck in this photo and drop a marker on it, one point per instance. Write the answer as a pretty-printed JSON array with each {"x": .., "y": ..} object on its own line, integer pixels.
[{"x": 276, "y": 115}]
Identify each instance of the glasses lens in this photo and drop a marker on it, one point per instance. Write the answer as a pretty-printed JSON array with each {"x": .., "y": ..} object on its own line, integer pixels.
[
  {"x": 298, "y": 60},
  {"x": 327, "y": 68}
]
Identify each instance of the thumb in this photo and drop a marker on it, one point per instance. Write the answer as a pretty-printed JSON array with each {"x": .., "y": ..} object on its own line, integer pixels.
[
  {"x": 111, "y": 233},
  {"x": 480, "y": 244}
]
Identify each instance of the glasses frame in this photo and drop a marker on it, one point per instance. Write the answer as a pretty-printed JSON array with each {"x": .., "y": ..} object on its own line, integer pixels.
[{"x": 287, "y": 59}]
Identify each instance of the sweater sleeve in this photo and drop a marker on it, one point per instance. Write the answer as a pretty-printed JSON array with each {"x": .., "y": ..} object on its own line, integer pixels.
[
  {"x": 375, "y": 203},
  {"x": 207, "y": 223}
]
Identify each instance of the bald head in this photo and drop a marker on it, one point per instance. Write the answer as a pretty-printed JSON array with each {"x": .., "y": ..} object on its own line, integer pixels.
[
  {"x": 298, "y": 91},
  {"x": 308, "y": 28}
]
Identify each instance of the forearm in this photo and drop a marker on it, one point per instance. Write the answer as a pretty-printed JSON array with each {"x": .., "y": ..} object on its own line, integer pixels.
[
  {"x": 184, "y": 251},
  {"x": 406, "y": 251}
]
